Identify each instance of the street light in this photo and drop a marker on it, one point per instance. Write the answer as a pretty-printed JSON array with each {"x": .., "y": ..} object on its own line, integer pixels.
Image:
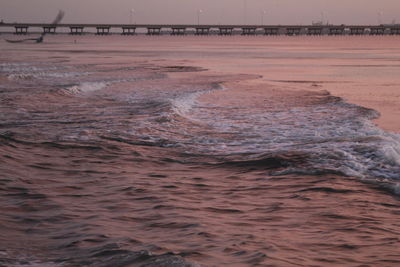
[
  {"x": 198, "y": 16},
  {"x": 131, "y": 15},
  {"x": 380, "y": 13},
  {"x": 262, "y": 17},
  {"x": 245, "y": 11}
]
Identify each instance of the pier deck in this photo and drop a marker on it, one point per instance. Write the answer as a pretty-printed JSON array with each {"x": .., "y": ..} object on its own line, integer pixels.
[{"x": 158, "y": 29}]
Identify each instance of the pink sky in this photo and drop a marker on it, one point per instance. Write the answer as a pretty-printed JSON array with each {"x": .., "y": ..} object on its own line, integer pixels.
[{"x": 213, "y": 11}]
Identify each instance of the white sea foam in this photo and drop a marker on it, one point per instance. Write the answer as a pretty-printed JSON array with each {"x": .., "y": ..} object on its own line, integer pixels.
[
  {"x": 87, "y": 87},
  {"x": 347, "y": 142},
  {"x": 44, "y": 75},
  {"x": 20, "y": 76},
  {"x": 391, "y": 148},
  {"x": 27, "y": 71},
  {"x": 27, "y": 68},
  {"x": 184, "y": 104}
]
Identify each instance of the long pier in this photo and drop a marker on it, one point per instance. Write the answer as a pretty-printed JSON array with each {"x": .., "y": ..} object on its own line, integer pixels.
[{"x": 183, "y": 29}]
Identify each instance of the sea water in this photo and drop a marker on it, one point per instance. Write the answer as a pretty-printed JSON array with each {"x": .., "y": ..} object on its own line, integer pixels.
[{"x": 119, "y": 155}]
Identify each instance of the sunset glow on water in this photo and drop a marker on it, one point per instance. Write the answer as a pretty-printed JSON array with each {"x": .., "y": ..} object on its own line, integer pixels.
[{"x": 200, "y": 151}]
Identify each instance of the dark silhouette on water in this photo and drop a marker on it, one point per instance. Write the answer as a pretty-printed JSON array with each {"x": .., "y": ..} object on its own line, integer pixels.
[
  {"x": 37, "y": 40},
  {"x": 57, "y": 20}
]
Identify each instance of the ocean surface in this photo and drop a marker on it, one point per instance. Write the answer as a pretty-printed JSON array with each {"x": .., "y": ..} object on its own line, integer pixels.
[{"x": 114, "y": 155}]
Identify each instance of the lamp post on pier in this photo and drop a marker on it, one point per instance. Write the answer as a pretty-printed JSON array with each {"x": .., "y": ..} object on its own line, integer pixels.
[
  {"x": 322, "y": 18},
  {"x": 262, "y": 17},
  {"x": 198, "y": 16},
  {"x": 380, "y": 13},
  {"x": 245, "y": 11},
  {"x": 131, "y": 15}
]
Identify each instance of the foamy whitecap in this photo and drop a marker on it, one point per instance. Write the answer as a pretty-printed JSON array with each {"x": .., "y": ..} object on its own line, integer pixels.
[
  {"x": 183, "y": 105},
  {"x": 87, "y": 87},
  {"x": 347, "y": 142},
  {"x": 44, "y": 75},
  {"x": 20, "y": 76},
  {"x": 28, "y": 68}
]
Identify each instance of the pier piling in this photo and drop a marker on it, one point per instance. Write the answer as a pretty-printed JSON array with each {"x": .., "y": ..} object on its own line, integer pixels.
[
  {"x": 292, "y": 31},
  {"x": 395, "y": 30},
  {"x": 336, "y": 31},
  {"x": 314, "y": 31},
  {"x": 154, "y": 31},
  {"x": 357, "y": 30},
  {"x": 103, "y": 30},
  {"x": 178, "y": 31},
  {"x": 202, "y": 31},
  {"x": 49, "y": 29},
  {"x": 377, "y": 31},
  {"x": 225, "y": 30},
  {"x": 249, "y": 31},
  {"x": 271, "y": 31},
  {"x": 76, "y": 30},
  {"x": 22, "y": 29},
  {"x": 128, "y": 30}
]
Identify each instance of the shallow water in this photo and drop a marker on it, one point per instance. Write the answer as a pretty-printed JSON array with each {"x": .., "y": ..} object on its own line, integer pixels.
[{"x": 120, "y": 157}]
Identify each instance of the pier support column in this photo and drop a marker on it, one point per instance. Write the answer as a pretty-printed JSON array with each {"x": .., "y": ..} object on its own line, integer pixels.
[
  {"x": 76, "y": 30},
  {"x": 377, "y": 31},
  {"x": 357, "y": 30},
  {"x": 395, "y": 31},
  {"x": 103, "y": 30},
  {"x": 271, "y": 31},
  {"x": 202, "y": 31},
  {"x": 21, "y": 30},
  {"x": 249, "y": 31},
  {"x": 128, "y": 30},
  {"x": 178, "y": 31},
  {"x": 336, "y": 31},
  {"x": 293, "y": 31},
  {"x": 49, "y": 29},
  {"x": 314, "y": 31},
  {"x": 225, "y": 31},
  {"x": 153, "y": 31}
]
